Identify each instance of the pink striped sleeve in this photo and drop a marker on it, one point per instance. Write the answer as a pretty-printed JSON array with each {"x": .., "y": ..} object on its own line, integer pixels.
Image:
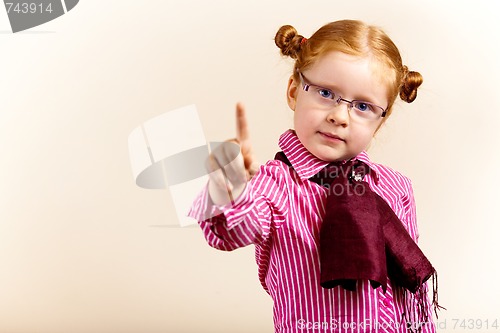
[
  {"x": 411, "y": 219},
  {"x": 249, "y": 220}
]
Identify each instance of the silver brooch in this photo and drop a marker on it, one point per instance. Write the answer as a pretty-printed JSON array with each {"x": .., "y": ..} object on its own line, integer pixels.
[{"x": 356, "y": 176}]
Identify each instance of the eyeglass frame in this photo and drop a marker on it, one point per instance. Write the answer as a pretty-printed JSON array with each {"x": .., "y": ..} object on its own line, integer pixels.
[{"x": 306, "y": 84}]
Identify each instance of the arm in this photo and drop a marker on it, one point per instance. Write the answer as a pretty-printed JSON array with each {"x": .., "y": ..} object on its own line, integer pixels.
[
  {"x": 410, "y": 218},
  {"x": 410, "y": 210},
  {"x": 259, "y": 209},
  {"x": 237, "y": 209}
]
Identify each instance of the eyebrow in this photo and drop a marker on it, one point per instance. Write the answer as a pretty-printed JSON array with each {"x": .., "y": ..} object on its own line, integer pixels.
[{"x": 326, "y": 86}]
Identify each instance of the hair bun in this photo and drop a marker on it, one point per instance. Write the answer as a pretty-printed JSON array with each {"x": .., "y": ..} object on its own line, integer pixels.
[
  {"x": 288, "y": 41},
  {"x": 411, "y": 81}
]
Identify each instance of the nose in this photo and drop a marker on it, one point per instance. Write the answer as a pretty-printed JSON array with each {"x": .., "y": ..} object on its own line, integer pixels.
[{"x": 339, "y": 114}]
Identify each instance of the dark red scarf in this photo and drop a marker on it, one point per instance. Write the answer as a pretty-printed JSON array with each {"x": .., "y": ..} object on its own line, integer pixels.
[{"x": 362, "y": 238}]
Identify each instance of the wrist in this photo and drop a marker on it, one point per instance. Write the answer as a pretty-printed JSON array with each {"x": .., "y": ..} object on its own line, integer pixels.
[{"x": 223, "y": 196}]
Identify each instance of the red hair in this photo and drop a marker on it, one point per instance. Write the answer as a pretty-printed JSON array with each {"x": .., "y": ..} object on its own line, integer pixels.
[{"x": 354, "y": 38}]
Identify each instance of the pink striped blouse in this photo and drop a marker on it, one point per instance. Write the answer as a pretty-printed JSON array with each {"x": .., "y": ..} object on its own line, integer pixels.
[{"x": 280, "y": 212}]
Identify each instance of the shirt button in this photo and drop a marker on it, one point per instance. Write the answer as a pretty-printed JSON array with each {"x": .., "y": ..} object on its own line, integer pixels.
[{"x": 386, "y": 302}]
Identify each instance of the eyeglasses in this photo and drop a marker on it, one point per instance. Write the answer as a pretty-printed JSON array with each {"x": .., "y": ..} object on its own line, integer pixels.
[{"x": 327, "y": 99}]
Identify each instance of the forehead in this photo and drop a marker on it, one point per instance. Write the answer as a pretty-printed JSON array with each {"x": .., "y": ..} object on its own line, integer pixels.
[{"x": 351, "y": 75}]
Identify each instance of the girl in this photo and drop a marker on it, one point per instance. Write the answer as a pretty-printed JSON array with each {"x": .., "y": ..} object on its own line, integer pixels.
[{"x": 345, "y": 80}]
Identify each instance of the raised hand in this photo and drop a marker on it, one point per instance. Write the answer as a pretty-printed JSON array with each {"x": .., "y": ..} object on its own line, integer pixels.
[{"x": 232, "y": 165}]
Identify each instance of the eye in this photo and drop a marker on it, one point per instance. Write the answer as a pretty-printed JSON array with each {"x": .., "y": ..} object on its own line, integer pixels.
[
  {"x": 363, "y": 106},
  {"x": 325, "y": 93}
]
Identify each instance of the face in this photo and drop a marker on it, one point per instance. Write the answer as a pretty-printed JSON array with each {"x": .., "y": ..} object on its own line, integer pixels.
[{"x": 331, "y": 134}]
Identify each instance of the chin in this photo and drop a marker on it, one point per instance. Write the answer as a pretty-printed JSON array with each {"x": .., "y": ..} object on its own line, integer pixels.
[
  {"x": 333, "y": 156},
  {"x": 328, "y": 157}
]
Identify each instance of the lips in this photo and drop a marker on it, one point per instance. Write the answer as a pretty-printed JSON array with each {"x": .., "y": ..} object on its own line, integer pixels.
[{"x": 331, "y": 136}]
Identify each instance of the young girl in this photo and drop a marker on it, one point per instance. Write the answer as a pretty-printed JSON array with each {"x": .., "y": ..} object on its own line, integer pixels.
[{"x": 345, "y": 80}]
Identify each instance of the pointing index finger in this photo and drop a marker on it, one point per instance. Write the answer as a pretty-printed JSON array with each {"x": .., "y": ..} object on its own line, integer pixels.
[{"x": 241, "y": 124}]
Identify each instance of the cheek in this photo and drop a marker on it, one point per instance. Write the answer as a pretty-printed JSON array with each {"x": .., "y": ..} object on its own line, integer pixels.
[
  {"x": 302, "y": 120},
  {"x": 297, "y": 121},
  {"x": 363, "y": 136},
  {"x": 306, "y": 114}
]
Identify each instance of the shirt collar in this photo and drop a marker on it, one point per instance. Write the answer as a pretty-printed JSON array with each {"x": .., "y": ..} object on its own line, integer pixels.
[{"x": 306, "y": 164}]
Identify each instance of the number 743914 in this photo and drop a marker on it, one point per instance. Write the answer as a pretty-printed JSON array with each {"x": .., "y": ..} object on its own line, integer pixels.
[
  {"x": 27, "y": 7},
  {"x": 475, "y": 324}
]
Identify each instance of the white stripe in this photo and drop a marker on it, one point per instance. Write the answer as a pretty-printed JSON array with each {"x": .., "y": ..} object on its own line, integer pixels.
[{"x": 64, "y": 6}]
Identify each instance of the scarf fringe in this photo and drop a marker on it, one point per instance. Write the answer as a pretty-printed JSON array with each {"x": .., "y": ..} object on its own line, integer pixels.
[
  {"x": 435, "y": 303},
  {"x": 417, "y": 310}
]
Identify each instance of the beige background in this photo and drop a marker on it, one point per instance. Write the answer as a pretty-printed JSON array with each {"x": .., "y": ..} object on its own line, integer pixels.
[{"x": 82, "y": 249}]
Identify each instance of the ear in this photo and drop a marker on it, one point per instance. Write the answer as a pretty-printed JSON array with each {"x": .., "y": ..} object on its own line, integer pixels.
[{"x": 291, "y": 92}]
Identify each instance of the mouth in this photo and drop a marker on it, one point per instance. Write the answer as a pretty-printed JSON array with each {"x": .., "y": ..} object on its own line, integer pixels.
[{"x": 331, "y": 137}]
